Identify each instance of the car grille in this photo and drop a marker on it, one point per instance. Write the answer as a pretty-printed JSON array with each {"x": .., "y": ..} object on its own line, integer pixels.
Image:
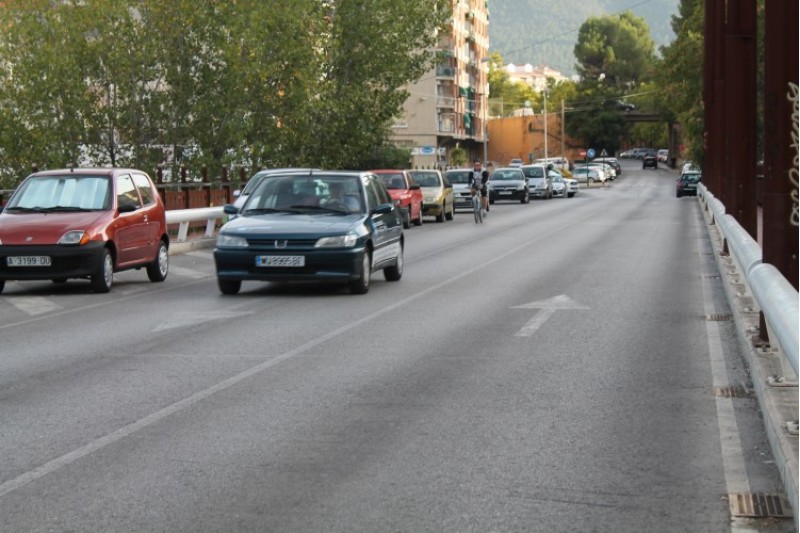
[{"x": 282, "y": 244}]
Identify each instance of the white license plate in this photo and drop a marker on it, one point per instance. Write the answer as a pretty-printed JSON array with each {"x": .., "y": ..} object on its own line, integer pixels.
[
  {"x": 505, "y": 192},
  {"x": 28, "y": 261},
  {"x": 280, "y": 261}
]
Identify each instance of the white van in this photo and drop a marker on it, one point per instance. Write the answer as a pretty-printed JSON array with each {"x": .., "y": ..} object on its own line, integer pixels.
[{"x": 560, "y": 163}]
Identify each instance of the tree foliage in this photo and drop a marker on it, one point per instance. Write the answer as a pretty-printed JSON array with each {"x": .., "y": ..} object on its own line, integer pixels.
[
  {"x": 109, "y": 82},
  {"x": 616, "y": 48}
]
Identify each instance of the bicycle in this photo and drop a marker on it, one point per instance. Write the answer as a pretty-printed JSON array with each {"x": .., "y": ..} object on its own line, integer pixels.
[{"x": 477, "y": 209}]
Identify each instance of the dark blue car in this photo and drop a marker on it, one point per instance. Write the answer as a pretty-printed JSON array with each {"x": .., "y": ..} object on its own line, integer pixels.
[{"x": 317, "y": 226}]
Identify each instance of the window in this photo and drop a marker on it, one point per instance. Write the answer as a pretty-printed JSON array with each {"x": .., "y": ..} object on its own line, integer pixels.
[
  {"x": 127, "y": 196},
  {"x": 145, "y": 188}
]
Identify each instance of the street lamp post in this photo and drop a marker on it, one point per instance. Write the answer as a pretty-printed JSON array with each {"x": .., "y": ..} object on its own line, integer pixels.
[{"x": 544, "y": 112}]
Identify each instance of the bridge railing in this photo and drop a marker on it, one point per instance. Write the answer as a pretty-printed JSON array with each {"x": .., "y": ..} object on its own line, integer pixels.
[{"x": 773, "y": 364}]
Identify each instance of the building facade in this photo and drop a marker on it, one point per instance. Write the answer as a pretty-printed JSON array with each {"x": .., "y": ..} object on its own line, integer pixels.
[{"x": 447, "y": 106}]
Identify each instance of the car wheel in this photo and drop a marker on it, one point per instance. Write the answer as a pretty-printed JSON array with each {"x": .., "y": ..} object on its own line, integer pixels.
[
  {"x": 2, "y": 284},
  {"x": 440, "y": 216},
  {"x": 570, "y": 195},
  {"x": 158, "y": 269},
  {"x": 406, "y": 219},
  {"x": 395, "y": 272},
  {"x": 229, "y": 286},
  {"x": 450, "y": 214},
  {"x": 361, "y": 285},
  {"x": 418, "y": 220},
  {"x": 526, "y": 198},
  {"x": 103, "y": 277},
  {"x": 678, "y": 194}
]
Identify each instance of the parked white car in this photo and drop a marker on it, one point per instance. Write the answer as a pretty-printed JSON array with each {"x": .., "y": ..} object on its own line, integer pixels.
[{"x": 573, "y": 187}]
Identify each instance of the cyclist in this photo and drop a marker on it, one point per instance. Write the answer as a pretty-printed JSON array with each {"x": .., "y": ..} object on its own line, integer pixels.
[{"x": 479, "y": 181}]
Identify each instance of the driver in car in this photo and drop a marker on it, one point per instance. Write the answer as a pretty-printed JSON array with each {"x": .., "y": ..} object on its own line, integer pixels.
[{"x": 338, "y": 200}]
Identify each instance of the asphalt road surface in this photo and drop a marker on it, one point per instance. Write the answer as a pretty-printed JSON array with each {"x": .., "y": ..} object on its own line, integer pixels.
[{"x": 553, "y": 369}]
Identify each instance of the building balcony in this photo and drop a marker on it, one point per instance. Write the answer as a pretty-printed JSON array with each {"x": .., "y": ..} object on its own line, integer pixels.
[{"x": 445, "y": 72}]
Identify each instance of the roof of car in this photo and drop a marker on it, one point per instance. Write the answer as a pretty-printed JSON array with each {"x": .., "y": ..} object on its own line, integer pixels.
[{"x": 87, "y": 171}]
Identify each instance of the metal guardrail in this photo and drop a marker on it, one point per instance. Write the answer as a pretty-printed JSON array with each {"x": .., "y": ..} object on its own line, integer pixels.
[
  {"x": 184, "y": 217},
  {"x": 776, "y": 297}
]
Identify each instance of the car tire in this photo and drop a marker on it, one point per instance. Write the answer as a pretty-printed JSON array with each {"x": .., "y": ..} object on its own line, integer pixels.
[
  {"x": 570, "y": 195},
  {"x": 157, "y": 270},
  {"x": 229, "y": 286},
  {"x": 2, "y": 284},
  {"x": 678, "y": 194},
  {"x": 526, "y": 198},
  {"x": 361, "y": 285},
  {"x": 450, "y": 214},
  {"x": 418, "y": 220},
  {"x": 395, "y": 272},
  {"x": 406, "y": 219},
  {"x": 440, "y": 216},
  {"x": 103, "y": 277}
]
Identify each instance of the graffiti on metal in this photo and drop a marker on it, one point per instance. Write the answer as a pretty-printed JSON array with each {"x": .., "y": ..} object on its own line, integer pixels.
[{"x": 793, "y": 171}]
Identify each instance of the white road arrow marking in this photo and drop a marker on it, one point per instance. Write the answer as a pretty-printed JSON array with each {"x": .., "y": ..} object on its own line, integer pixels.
[{"x": 547, "y": 309}]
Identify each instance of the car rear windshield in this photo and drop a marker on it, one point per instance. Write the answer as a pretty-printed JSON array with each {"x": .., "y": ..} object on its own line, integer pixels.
[
  {"x": 426, "y": 179},
  {"x": 393, "y": 181},
  {"x": 63, "y": 192}
]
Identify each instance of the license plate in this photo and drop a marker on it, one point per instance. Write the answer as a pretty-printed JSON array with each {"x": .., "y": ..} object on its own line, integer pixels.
[
  {"x": 505, "y": 192},
  {"x": 28, "y": 261},
  {"x": 280, "y": 261}
]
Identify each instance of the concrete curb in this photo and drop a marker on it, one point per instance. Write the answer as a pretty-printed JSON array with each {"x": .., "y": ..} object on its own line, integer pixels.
[
  {"x": 182, "y": 247},
  {"x": 778, "y": 405}
]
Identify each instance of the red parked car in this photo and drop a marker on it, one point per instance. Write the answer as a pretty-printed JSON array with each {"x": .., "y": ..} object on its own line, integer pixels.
[
  {"x": 83, "y": 223},
  {"x": 406, "y": 194}
]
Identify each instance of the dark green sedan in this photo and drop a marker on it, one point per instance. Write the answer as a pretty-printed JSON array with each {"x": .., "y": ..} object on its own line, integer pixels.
[{"x": 317, "y": 226}]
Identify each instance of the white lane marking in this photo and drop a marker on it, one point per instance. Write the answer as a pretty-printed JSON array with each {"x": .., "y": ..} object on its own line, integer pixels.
[
  {"x": 188, "y": 272},
  {"x": 547, "y": 309},
  {"x": 185, "y": 319},
  {"x": 733, "y": 464},
  {"x": 115, "y": 436},
  {"x": 33, "y": 305}
]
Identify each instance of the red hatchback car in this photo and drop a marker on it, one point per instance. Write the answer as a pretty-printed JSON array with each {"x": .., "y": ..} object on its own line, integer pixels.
[
  {"x": 83, "y": 223},
  {"x": 406, "y": 194}
]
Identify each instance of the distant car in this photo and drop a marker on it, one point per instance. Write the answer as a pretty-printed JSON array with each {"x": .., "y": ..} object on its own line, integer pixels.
[
  {"x": 686, "y": 185},
  {"x": 662, "y": 155},
  {"x": 559, "y": 185},
  {"x": 585, "y": 174},
  {"x": 516, "y": 162},
  {"x": 508, "y": 184},
  {"x": 327, "y": 226},
  {"x": 622, "y": 105},
  {"x": 252, "y": 183},
  {"x": 459, "y": 179},
  {"x": 559, "y": 163},
  {"x": 650, "y": 161},
  {"x": 627, "y": 154},
  {"x": 539, "y": 184},
  {"x": 405, "y": 192},
  {"x": 437, "y": 194},
  {"x": 572, "y": 187},
  {"x": 609, "y": 171},
  {"x": 611, "y": 161},
  {"x": 83, "y": 223}
]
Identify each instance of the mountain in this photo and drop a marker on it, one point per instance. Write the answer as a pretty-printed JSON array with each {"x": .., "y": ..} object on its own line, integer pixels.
[{"x": 544, "y": 32}]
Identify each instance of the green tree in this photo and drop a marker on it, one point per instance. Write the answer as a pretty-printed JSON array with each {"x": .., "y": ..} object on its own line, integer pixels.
[
  {"x": 617, "y": 49},
  {"x": 679, "y": 75}
]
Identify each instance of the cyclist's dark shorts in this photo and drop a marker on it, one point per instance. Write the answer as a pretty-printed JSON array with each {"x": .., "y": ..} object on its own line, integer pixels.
[{"x": 485, "y": 191}]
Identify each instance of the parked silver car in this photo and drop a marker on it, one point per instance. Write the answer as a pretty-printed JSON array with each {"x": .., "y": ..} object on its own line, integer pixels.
[
  {"x": 539, "y": 184},
  {"x": 459, "y": 179}
]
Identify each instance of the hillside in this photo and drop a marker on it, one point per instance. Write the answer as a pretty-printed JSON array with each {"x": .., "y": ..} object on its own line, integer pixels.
[{"x": 544, "y": 32}]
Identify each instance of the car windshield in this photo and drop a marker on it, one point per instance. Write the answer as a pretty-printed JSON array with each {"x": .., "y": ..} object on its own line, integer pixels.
[
  {"x": 66, "y": 193},
  {"x": 393, "y": 181},
  {"x": 426, "y": 179},
  {"x": 506, "y": 175},
  {"x": 691, "y": 178},
  {"x": 459, "y": 176},
  {"x": 533, "y": 172},
  {"x": 306, "y": 194}
]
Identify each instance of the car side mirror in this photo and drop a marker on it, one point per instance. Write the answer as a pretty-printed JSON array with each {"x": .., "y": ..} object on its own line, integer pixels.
[
  {"x": 230, "y": 209},
  {"x": 383, "y": 209}
]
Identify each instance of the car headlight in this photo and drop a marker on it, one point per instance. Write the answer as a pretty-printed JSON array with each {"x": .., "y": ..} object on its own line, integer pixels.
[
  {"x": 231, "y": 241},
  {"x": 337, "y": 241},
  {"x": 74, "y": 237}
]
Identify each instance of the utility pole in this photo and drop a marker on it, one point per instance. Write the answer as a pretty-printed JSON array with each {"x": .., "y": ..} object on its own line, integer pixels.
[
  {"x": 563, "y": 151},
  {"x": 544, "y": 112}
]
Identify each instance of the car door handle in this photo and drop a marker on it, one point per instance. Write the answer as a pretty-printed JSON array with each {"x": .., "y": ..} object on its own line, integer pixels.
[{"x": 145, "y": 218}]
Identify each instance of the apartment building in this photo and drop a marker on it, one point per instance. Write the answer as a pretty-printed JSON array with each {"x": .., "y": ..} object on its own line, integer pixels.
[{"x": 447, "y": 106}]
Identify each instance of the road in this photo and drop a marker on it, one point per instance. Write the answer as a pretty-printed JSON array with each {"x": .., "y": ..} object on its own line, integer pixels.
[{"x": 553, "y": 369}]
